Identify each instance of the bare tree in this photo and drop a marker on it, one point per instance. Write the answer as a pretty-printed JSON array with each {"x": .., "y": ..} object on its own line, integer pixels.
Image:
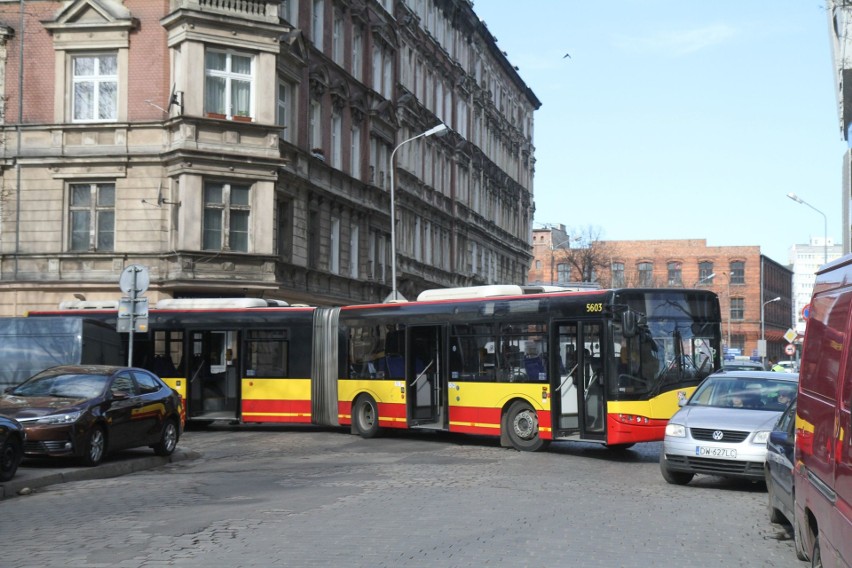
[{"x": 586, "y": 254}]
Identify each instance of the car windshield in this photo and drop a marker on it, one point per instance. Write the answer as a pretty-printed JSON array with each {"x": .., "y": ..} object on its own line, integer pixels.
[
  {"x": 741, "y": 392},
  {"x": 66, "y": 385}
]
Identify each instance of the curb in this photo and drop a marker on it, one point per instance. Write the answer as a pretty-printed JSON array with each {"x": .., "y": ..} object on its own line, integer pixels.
[{"x": 31, "y": 480}]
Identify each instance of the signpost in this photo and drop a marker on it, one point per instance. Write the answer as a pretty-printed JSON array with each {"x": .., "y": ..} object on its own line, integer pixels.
[{"x": 133, "y": 308}]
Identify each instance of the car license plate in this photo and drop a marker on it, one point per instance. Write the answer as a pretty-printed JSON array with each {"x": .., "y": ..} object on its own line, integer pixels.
[{"x": 711, "y": 452}]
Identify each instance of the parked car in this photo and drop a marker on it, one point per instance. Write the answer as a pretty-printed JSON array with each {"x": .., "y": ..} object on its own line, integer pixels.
[
  {"x": 723, "y": 428},
  {"x": 11, "y": 447},
  {"x": 779, "y": 467},
  {"x": 88, "y": 411},
  {"x": 740, "y": 365}
]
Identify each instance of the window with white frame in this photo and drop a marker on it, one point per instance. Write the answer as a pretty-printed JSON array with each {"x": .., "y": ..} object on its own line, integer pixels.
[
  {"x": 357, "y": 52},
  {"x": 288, "y": 10},
  {"x": 91, "y": 208},
  {"x": 646, "y": 273},
  {"x": 226, "y": 216},
  {"x": 353, "y": 251},
  {"x": 228, "y": 83},
  {"x": 95, "y": 87},
  {"x": 336, "y": 140},
  {"x": 334, "y": 244},
  {"x": 317, "y": 17},
  {"x": 355, "y": 153},
  {"x": 284, "y": 111},
  {"x": 337, "y": 37},
  {"x": 316, "y": 125},
  {"x": 377, "y": 68}
]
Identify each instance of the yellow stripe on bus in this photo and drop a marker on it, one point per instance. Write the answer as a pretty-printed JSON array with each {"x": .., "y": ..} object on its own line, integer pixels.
[{"x": 276, "y": 389}]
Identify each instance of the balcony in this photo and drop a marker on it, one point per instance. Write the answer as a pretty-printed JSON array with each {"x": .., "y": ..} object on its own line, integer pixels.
[{"x": 257, "y": 10}]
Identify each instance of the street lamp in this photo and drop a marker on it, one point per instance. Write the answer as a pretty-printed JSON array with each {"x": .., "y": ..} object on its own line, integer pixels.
[
  {"x": 763, "y": 327},
  {"x": 798, "y": 199},
  {"x": 705, "y": 279},
  {"x": 440, "y": 128}
]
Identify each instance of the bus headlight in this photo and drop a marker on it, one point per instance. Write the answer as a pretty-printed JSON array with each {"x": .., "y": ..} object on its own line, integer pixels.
[{"x": 676, "y": 430}]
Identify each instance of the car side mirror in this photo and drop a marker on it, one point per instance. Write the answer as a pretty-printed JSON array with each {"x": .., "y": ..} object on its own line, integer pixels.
[
  {"x": 778, "y": 437},
  {"x": 120, "y": 395}
]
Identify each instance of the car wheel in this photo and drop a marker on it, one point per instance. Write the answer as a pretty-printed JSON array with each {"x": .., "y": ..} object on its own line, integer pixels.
[
  {"x": 11, "y": 455},
  {"x": 95, "y": 447},
  {"x": 168, "y": 439},
  {"x": 365, "y": 416},
  {"x": 521, "y": 426},
  {"x": 674, "y": 477}
]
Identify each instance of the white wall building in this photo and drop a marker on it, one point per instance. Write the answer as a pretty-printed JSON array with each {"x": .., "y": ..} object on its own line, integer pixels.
[{"x": 804, "y": 261}]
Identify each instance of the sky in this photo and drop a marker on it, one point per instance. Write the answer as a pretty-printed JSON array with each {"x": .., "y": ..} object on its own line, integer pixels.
[{"x": 680, "y": 119}]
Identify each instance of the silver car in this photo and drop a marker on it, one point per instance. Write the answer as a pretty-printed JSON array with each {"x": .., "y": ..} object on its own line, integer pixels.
[{"x": 723, "y": 428}]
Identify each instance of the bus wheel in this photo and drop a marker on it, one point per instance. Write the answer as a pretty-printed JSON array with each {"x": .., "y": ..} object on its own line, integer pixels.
[
  {"x": 521, "y": 424},
  {"x": 365, "y": 416}
]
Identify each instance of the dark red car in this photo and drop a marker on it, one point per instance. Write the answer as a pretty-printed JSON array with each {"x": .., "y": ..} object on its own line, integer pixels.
[{"x": 88, "y": 411}]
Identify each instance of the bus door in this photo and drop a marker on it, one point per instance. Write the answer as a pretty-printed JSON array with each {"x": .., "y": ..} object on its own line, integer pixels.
[
  {"x": 213, "y": 375},
  {"x": 425, "y": 376},
  {"x": 579, "y": 388}
]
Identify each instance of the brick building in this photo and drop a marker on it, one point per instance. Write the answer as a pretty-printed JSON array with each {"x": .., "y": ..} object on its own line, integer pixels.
[
  {"x": 746, "y": 281},
  {"x": 249, "y": 149}
]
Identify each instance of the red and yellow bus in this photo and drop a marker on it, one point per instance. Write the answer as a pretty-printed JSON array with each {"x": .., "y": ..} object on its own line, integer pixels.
[{"x": 597, "y": 365}]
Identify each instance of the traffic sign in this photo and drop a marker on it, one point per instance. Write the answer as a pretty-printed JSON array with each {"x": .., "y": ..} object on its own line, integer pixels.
[
  {"x": 806, "y": 312},
  {"x": 134, "y": 280},
  {"x": 790, "y": 335},
  {"x": 790, "y": 349}
]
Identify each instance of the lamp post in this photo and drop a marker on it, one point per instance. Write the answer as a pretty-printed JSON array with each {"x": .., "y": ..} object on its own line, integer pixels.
[
  {"x": 763, "y": 327},
  {"x": 440, "y": 128},
  {"x": 705, "y": 279},
  {"x": 728, "y": 277},
  {"x": 798, "y": 199}
]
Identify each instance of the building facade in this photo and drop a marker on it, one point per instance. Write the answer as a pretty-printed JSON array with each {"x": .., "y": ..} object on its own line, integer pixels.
[
  {"x": 251, "y": 148},
  {"x": 805, "y": 260},
  {"x": 840, "y": 34},
  {"x": 746, "y": 281}
]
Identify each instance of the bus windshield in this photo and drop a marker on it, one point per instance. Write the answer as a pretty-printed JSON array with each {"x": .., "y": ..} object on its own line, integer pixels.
[{"x": 670, "y": 346}]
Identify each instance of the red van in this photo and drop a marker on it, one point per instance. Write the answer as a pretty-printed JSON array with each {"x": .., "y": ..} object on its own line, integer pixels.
[{"x": 823, "y": 457}]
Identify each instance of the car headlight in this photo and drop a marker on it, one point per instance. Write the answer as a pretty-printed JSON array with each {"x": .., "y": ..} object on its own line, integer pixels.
[
  {"x": 761, "y": 437},
  {"x": 66, "y": 418},
  {"x": 676, "y": 430}
]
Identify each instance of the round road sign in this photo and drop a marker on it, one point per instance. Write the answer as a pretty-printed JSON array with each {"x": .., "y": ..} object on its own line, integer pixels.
[
  {"x": 134, "y": 280},
  {"x": 790, "y": 349},
  {"x": 806, "y": 312}
]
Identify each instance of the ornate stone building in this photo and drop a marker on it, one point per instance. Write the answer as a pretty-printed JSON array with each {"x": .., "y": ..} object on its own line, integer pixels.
[{"x": 251, "y": 147}]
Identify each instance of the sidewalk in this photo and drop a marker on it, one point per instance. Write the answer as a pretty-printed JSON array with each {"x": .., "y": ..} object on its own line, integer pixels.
[{"x": 34, "y": 474}]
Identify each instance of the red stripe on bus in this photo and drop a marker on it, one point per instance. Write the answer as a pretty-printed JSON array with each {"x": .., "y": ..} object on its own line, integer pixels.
[{"x": 276, "y": 406}]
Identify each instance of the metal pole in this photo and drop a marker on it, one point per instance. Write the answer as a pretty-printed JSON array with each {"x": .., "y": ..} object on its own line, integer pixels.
[
  {"x": 434, "y": 130},
  {"x": 798, "y": 199},
  {"x": 18, "y": 136}
]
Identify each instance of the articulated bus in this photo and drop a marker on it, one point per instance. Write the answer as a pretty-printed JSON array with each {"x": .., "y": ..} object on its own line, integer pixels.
[{"x": 608, "y": 366}]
